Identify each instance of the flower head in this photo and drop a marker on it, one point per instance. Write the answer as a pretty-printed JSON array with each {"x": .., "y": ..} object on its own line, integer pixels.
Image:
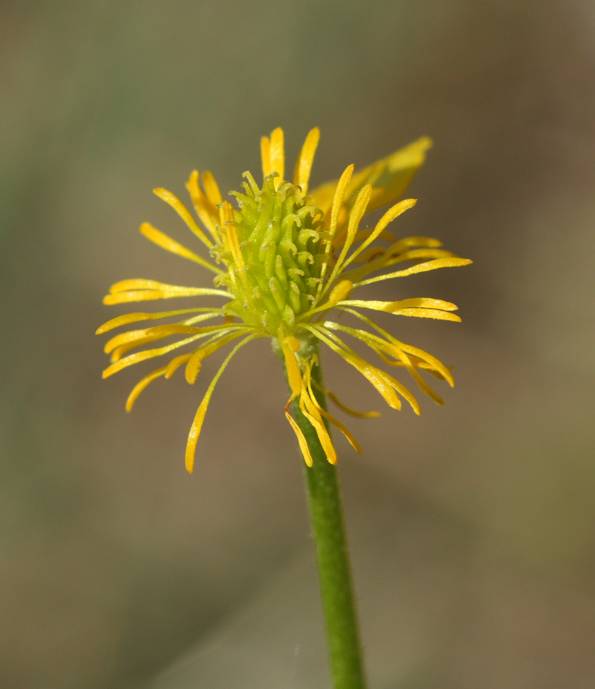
[{"x": 282, "y": 258}]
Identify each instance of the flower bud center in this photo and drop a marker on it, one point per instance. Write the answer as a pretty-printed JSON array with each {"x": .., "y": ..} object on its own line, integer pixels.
[{"x": 275, "y": 269}]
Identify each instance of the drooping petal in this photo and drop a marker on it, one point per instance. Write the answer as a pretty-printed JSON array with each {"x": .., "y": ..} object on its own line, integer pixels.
[
  {"x": 433, "y": 363},
  {"x": 350, "y": 410},
  {"x": 302, "y": 442},
  {"x": 197, "y": 423},
  {"x": 218, "y": 341},
  {"x": 142, "y": 385}
]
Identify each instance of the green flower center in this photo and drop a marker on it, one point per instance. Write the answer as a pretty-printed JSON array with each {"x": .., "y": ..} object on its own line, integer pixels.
[{"x": 274, "y": 272}]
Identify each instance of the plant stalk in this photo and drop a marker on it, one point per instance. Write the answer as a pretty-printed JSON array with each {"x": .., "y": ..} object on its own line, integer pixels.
[{"x": 328, "y": 530}]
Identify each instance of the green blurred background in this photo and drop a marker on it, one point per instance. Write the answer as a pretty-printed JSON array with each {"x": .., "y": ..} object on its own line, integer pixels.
[{"x": 472, "y": 527}]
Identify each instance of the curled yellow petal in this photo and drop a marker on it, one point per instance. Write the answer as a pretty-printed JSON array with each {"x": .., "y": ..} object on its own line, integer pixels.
[
  {"x": 175, "y": 364},
  {"x": 141, "y": 386},
  {"x": 195, "y": 361}
]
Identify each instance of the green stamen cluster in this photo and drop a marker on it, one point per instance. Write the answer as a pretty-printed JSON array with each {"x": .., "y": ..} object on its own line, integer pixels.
[{"x": 279, "y": 236}]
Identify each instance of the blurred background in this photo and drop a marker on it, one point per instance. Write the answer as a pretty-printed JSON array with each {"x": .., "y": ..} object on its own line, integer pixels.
[{"x": 471, "y": 527}]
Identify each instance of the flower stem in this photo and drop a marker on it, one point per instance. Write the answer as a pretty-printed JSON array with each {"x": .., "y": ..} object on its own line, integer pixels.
[{"x": 326, "y": 516}]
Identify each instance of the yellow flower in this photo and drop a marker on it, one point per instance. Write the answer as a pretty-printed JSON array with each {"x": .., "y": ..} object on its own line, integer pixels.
[{"x": 282, "y": 258}]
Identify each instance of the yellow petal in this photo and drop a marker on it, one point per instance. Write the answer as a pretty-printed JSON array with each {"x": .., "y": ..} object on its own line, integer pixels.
[
  {"x": 174, "y": 202},
  {"x": 391, "y": 176},
  {"x": 389, "y": 306},
  {"x": 390, "y": 215},
  {"x": 331, "y": 419},
  {"x": 175, "y": 364},
  {"x": 128, "y": 318},
  {"x": 211, "y": 188},
  {"x": 277, "y": 155},
  {"x": 155, "y": 333},
  {"x": 165, "y": 242},
  {"x": 339, "y": 193},
  {"x": 349, "y": 410},
  {"x": 139, "y": 338},
  {"x": 302, "y": 442},
  {"x": 292, "y": 367},
  {"x": 306, "y": 159},
  {"x": 357, "y": 212},
  {"x": 163, "y": 292},
  {"x": 265, "y": 155},
  {"x": 205, "y": 210},
  {"x": 340, "y": 291},
  {"x": 152, "y": 353},
  {"x": 218, "y": 341},
  {"x": 193, "y": 367},
  {"x": 141, "y": 386},
  {"x": 377, "y": 378},
  {"x": 339, "y": 197},
  {"x": 409, "y": 307},
  {"x": 344, "y": 430},
  {"x": 312, "y": 413},
  {"x": 433, "y": 363},
  {"x": 436, "y": 314},
  {"x": 435, "y": 264}
]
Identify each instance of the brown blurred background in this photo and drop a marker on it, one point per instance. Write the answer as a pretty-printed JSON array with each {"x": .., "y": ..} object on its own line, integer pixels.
[{"x": 472, "y": 527}]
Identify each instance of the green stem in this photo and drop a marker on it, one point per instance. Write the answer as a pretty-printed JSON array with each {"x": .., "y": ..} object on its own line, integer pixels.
[{"x": 326, "y": 516}]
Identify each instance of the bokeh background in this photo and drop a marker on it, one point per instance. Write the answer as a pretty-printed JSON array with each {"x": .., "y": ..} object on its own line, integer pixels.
[{"x": 472, "y": 527}]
